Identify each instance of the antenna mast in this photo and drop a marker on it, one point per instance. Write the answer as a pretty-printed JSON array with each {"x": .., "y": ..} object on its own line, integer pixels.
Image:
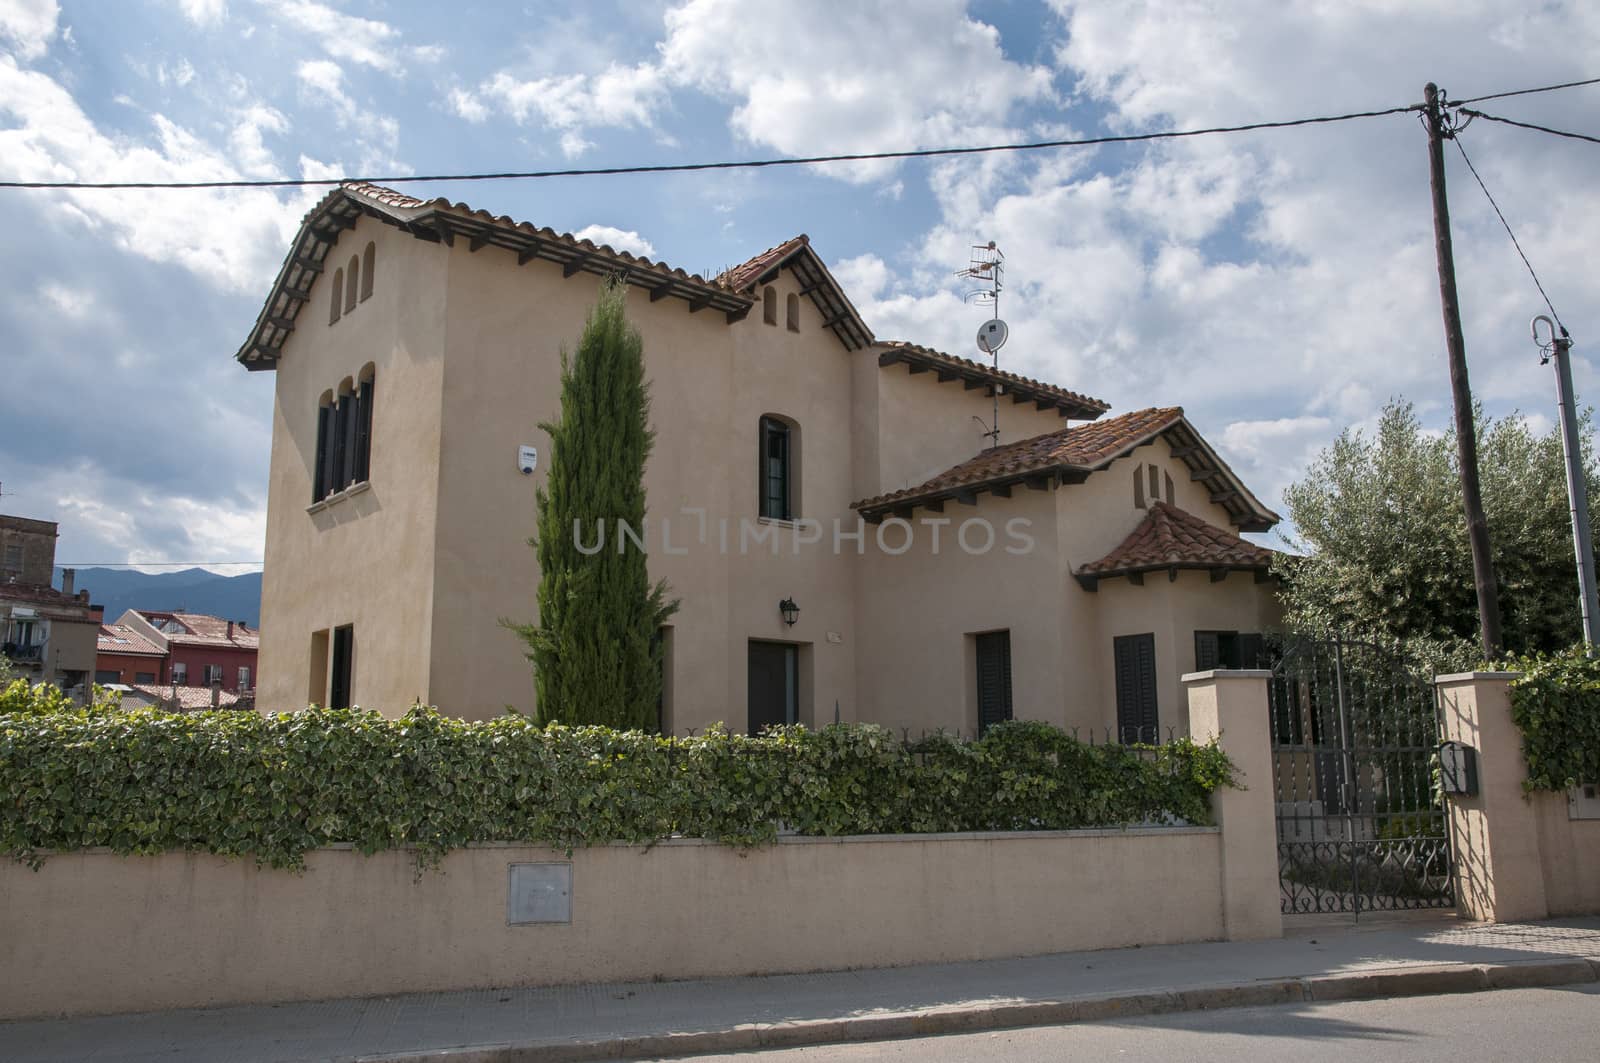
[{"x": 988, "y": 265}]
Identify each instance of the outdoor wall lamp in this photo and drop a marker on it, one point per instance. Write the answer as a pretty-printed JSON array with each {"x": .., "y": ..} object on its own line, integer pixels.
[{"x": 790, "y": 611}]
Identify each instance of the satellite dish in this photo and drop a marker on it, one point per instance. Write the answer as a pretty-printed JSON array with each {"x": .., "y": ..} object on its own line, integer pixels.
[{"x": 992, "y": 336}]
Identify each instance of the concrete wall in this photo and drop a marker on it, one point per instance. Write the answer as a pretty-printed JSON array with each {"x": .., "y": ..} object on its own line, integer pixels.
[
  {"x": 33, "y": 544},
  {"x": 365, "y": 559},
  {"x": 94, "y": 932},
  {"x": 1518, "y": 855}
]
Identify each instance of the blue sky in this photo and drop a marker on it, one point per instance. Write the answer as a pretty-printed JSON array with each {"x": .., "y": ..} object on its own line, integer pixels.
[{"x": 1279, "y": 286}]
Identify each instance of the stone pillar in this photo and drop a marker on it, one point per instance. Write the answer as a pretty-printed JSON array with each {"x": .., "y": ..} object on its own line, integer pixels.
[
  {"x": 1232, "y": 707},
  {"x": 1494, "y": 836}
]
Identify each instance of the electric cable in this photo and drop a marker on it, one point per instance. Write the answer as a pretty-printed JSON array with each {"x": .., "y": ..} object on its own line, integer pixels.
[
  {"x": 1525, "y": 92},
  {"x": 1514, "y": 242},
  {"x": 688, "y": 167},
  {"x": 1470, "y": 113}
]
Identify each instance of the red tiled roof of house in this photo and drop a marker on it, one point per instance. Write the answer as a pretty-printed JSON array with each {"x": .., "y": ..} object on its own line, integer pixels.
[
  {"x": 1078, "y": 447},
  {"x": 63, "y": 606},
  {"x": 1169, "y": 537},
  {"x": 120, "y": 638},
  {"x": 190, "y": 699},
  {"x": 1019, "y": 387},
  {"x": 203, "y": 630},
  {"x": 746, "y": 274}
]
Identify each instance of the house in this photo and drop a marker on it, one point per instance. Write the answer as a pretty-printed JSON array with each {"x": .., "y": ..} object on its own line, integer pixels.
[
  {"x": 47, "y": 634},
  {"x": 844, "y": 540},
  {"x": 180, "y": 649},
  {"x": 123, "y": 655},
  {"x": 179, "y": 699}
]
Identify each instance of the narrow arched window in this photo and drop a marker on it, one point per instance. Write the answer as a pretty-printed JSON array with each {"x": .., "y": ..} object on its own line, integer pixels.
[
  {"x": 363, "y": 420},
  {"x": 354, "y": 270},
  {"x": 322, "y": 472},
  {"x": 793, "y": 312},
  {"x": 778, "y": 445},
  {"x": 337, "y": 301},
  {"x": 769, "y": 305},
  {"x": 367, "y": 258}
]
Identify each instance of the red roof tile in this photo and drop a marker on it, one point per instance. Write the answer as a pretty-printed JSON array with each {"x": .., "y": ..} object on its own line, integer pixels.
[
  {"x": 1085, "y": 446},
  {"x": 951, "y": 367},
  {"x": 203, "y": 630},
  {"x": 1169, "y": 537},
  {"x": 744, "y": 276},
  {"x": 120, "y": 638},
  {"x": 64, "y": 606},
  {"x": 190, "y": 699}
]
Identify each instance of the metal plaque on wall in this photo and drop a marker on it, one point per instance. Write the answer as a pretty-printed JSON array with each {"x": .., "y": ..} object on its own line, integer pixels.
[{"x": 539, "y": 893}]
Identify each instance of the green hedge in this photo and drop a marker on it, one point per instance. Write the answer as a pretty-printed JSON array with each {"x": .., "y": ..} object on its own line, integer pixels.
[
  {"x": 274, "y": 787},
  {"x": 1556, "y": 704}
]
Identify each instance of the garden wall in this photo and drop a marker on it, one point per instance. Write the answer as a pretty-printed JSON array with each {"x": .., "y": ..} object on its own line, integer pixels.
[{"x": 94, "y": 932}]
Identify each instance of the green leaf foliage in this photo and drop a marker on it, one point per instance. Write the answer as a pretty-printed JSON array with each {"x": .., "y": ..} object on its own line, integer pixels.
[
  {"x": 274, "y": 787},
  {"x": 1380, "y": 519},
  {"x": 1556, "y": 704},
  {"x": 595, "y": 652}
]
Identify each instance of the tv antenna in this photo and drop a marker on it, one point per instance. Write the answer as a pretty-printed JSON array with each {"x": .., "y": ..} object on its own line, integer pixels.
[{"x": 988, "y": 266}]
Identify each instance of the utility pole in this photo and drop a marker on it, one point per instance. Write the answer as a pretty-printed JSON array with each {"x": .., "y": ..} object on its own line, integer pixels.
[
  {"x": 1560, "y": 349},
  {"x": 1460, "y": 390}
]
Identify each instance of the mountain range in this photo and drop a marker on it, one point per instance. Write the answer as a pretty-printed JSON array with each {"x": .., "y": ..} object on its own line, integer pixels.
[{"x": 193, "y": 590}]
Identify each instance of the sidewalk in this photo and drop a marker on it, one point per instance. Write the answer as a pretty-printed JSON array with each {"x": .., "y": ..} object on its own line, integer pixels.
[{"x": 1316, "y": 960}]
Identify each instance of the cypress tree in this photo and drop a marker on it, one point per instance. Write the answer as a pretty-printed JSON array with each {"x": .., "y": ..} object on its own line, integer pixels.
[{"x": 595, "y": 651}]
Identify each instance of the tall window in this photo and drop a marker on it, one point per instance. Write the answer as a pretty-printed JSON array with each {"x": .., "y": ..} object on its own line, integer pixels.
[
  {"x": 213, "y": 674},
  {"x": 344, "y": 437},
  {"x": 1137, "y": 719},
  {"x": 354, "y": 271},
  {"x": 180, "y": 673},
  {"x": 367, "y": 258},
  {"x": 792, "y": 312},
  {"x": 244, "y": 677},
  {"x": 769, "y": 305},
  {"x": 344, "y": 648},
  {"x": 336, "y": 299},
  {"x": 776, "y": 467},
  {"x": 994, "y": 678}
]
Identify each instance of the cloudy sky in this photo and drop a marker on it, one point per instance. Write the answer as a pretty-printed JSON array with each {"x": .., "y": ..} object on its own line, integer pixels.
[{"x": 1278, "y": 285}]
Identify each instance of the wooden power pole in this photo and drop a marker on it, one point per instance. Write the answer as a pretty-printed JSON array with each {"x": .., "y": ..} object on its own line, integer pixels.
[{"x": 1460, "y": 390}]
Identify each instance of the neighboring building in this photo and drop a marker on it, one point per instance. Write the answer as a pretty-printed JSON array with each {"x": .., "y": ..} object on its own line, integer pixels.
[
  {"x": 417, "y": 344},
  {"x": 188, "y": 699},
  {"x": 194, "y": 649},
  {"x": 47, "y": 634},
  {"x": 124, "y": 655}
]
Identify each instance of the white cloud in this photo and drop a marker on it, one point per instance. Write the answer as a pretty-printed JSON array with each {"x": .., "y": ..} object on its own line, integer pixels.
[
  {"x": 617, "y": 96},
  {"x": 619, "y": 239},
  {"x": 28, "y": 25},
  {"x": 204, "y": 12},
  {"x": 364, "y": 41},
  {"x": 872, "y": 75},
  {"x": 231, "y": 238},
  {"x": 466, "y": 105},
  {"x": 73, "y": 302},
  {"x": 179, "y": 73}
]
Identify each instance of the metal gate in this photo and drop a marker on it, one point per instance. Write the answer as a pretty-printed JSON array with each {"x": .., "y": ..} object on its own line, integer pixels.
[{"x": 1360, "y": 827}]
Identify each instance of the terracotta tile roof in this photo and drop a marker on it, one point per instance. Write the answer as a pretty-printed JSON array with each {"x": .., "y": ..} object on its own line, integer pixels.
[
  {"x": 439, "y": 220},
  {"x": 120, "y": 638},
  {"x": 796, "y": 254},
  {"x": 60, "y": 606},
  {"x": 1169, "y": 537},
  {"x": 747, "y": 274},
  {"x": 1079, "y": 447},
  {"x": 190, "y": 699},
  {"x": 1020, "y": 388},
  {"x": 203, "y": 630}
]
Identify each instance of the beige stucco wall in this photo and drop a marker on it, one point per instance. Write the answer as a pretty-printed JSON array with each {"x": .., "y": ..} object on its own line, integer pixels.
[
  {"x": 94, "y": 932},
  {"x": 365, "y": 560},
  {"x": 1569, "y": 851}
]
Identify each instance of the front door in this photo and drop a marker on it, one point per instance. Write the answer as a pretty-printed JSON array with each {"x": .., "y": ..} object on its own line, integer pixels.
[{"x": 774, "y": 684}]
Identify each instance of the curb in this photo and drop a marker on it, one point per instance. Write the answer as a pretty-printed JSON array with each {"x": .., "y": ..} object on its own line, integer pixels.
[{"x": 1408, "y": 982}]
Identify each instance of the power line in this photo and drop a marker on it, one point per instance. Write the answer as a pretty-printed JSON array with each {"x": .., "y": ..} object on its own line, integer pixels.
[
  {"x": 1525, "y": 92},
  {"x": 1469, "y": 112},
  {"x": 1514, "y": 243},
  {"x": 689, "y": 167}
]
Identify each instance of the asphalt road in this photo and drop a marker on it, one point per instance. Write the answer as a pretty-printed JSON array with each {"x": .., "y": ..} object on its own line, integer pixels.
[{"x": 1524, "y": 1025}]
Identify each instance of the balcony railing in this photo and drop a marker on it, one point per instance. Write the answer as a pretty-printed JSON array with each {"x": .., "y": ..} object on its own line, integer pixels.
[{"x": 20, "y": 652}]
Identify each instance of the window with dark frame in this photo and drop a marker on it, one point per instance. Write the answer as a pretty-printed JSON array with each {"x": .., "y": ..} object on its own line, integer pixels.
[
  {"x": 344, "y": 441},
  {"x": 994, "y": 678},
  {"x": 1137, "y": 717},
  {"x": 344, "y": 640},
  {"x": 775, "y": 470}
]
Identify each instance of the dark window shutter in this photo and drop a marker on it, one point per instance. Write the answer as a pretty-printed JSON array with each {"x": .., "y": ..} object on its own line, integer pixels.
[
  {"x": 341, "y": 416},
  {"x": 1252, "y": 651},
  {"x": 350, "y": 412},
  {"x": 364, "y": 431},
  {"x": 1137, "y": 719},
  {"x": 994, "y": 679},
  {"x": 324, "y": 467},
  {"x": 775, "y": 469},
  {"x": 343, "y": 649},
  {"x": 1206, "y": 651}
]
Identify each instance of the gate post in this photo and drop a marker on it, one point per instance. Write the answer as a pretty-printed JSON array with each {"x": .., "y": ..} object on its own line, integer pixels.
[
  {"x": 1231, "y": 706},
  {"x": 1494, "y": 834}
]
